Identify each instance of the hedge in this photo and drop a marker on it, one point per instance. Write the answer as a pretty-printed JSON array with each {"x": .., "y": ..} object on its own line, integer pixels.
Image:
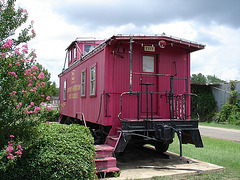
[
  {"x": 61, "y": 152},
  {"x": 206, "y": 102}
]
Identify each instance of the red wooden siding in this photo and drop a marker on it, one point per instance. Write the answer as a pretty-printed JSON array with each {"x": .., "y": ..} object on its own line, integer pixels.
[{"x": 112, "y": 63}]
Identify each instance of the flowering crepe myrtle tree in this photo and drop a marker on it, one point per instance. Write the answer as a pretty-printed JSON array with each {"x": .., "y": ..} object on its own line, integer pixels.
[{"x": 22, "y": 84}]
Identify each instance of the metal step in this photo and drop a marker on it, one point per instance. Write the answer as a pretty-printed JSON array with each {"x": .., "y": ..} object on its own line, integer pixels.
[
  {"x": 112, "y": 140},
  {"x": 104, "y": 151},
  {"x": 105, "y": 162}
]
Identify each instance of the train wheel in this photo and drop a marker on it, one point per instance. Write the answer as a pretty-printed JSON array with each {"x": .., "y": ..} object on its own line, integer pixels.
[
  {"x": 161, "y": 147},
  {"x": 99, "y": 136}
]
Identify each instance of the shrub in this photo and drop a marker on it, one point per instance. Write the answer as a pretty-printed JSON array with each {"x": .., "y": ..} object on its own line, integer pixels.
[
  {"x": 230, "y": 111},
  {"x": 49, "y": 115},
  {"x": 61, "y": 152},
  {"x": 205, "y": 101}
]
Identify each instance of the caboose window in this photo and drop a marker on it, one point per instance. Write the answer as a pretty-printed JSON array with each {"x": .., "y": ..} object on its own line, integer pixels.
[
  {"x": 64, "y": 90},
  {"x": 148, "y": 63},
  {"x": 83, "y": 83},
  {"x": 75, "y": 53},
  {"x": 93, "y": 80},
  {"x": 88, "y": 48},
  {"x": 69, "y": 56}
]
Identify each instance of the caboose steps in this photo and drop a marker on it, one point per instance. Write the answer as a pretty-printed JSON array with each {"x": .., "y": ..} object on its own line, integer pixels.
[
  {"x": 104, "y": 151},
  {"x": 112, "y": 141},
  {"x": 105, "y": 162}
]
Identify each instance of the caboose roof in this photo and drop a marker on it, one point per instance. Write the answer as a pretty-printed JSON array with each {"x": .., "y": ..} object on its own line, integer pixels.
[
  {"x": 171, "y": 40},
  {"x": 146, "y": 39}
]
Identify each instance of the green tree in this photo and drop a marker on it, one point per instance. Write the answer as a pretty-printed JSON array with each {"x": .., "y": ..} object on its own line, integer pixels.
[
  {"x": 230, "y": 112},
  {"x": 214, "y": 79},
  {"x": 198, "y": 78},
  {"x": 50, "y": 87},
  {"x": 22, "y": 83}
]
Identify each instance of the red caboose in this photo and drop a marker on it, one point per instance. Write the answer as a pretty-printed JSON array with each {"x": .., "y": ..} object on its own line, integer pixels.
[{"x": 130, "y": 89}]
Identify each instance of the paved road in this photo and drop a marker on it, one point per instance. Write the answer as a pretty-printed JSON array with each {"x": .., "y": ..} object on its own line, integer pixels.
[{"x": 220, "y": 133}]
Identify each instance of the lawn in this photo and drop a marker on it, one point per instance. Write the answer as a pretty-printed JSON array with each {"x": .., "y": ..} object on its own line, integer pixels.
[{"x": 215, "y": 151}]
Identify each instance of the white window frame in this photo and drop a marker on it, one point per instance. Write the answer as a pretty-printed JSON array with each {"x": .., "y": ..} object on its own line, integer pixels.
[
  {"x": 93, "y": 81},
  {"x": 149, "y": 64},
  {"x": 75, "y": 53},
  {"x": 69, "y": 56},
  {"x": 65, "y": 90},
  {"x": 91, "y": 47},
  {"x": 83, "y": 83}
]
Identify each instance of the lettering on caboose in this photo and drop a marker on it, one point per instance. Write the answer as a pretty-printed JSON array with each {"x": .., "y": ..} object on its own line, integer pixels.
[{"x": 72, "y": 94}]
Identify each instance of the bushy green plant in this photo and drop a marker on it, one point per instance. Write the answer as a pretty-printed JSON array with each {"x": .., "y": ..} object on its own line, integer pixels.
[
  {"x": 205, "y": 101},
  {"x": 23, "y": 85},
  {"x": 49, "y": 114},
  {"x": 61, "y": 152},
  {"x": 230, "y": 112}
]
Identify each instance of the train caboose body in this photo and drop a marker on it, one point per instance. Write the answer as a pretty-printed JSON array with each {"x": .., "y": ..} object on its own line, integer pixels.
[{"x": 131, "y": 89}]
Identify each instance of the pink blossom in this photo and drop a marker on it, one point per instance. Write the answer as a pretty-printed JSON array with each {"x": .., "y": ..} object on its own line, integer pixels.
[
  {"x": 35, "y": 68},
  {"x": 19, "y": 146},
  {"x": 34, "y": 78},
  {"x": 10, "y": 143},
  {"x": 28, "y": 71},
  {"x": 42, "y": 103},
  {"x": 48, "y": 98},
  {"x": 43, "y": 84},
  {"x": 20, "y": 104},
  {"x": 33, "y": 32},
  {"x": 29, "y": 85},
  {"x": 17, "y": 52},
  {"x": 41, "y": 75},
  {"x": 18, "y": 152},
  {"x": 25, "y": 50},
  {"x": 13, "y": 73},
  {"x": 32, "y": 103},
  {"x": 9, "y": 149},
  {"x": 42, "y": 95},
  {"x": 10, "y": 156},
  {"x": 13, "y": 93},
  {"x": 25, "y": 46},
  {"x": 8, "y": 44},
  {"x": 10, "y": 65},
  {"x": 3, "y": 55},
  {"x": 17, "y": 106},
  {"x": 11, "y": 136},
  {"x": 17, "y": 63},
  {"x": 37, "y": 109}
]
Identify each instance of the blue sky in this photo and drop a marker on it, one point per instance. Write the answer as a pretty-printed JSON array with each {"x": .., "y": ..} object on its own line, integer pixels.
[{"x": 214, "y": 23}]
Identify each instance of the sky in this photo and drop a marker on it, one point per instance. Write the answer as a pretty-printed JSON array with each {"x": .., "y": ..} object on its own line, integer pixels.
[{"x": 214, "y": 23}]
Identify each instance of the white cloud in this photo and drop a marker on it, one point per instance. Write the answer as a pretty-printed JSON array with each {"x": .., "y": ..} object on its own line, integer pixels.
[{"x": 55, "y": 32}]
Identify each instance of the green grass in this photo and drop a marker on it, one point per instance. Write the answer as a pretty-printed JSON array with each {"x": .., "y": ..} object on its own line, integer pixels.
[
  {"x": 219, "y": 152},
  {"x": 221, "y": 125}
]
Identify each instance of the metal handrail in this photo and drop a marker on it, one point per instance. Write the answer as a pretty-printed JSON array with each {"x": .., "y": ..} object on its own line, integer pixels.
[
  {"x": 83, "y": 118},
  {"x": 166, "y": 94}
]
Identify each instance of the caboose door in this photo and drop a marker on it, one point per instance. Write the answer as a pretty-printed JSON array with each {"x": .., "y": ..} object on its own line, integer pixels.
[{"x": 148, "y": 83}]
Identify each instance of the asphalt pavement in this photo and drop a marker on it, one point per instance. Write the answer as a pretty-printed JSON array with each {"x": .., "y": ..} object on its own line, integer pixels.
[{"x": 220, "y": 133}]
